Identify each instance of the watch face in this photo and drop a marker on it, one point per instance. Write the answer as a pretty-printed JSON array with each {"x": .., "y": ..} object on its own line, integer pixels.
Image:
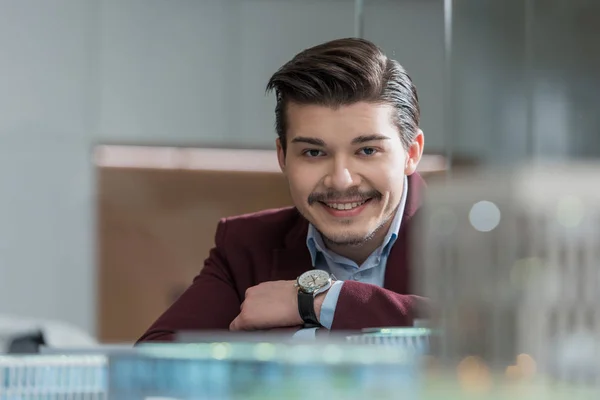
[{"x": 313, "y": 280}]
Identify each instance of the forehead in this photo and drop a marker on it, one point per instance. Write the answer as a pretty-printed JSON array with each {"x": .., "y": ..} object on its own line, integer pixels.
[{"x": 341, "y": 123}]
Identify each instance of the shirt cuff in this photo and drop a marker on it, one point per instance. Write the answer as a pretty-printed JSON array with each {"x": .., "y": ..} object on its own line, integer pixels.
[{"x": 329, "y": 304}]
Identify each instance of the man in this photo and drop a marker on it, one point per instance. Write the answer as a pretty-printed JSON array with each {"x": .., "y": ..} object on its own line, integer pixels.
[{"x": 347, "y": 120}]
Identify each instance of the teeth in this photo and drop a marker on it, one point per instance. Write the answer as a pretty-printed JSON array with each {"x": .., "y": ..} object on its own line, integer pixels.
[{"x": 345, "y": 206}]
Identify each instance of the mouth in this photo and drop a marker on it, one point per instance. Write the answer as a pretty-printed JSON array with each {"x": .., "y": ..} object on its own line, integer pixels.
[{"x": 345, "y": 208}]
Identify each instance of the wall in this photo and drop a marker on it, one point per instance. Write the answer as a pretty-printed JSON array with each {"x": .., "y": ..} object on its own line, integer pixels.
[
  {"x": 196, "y": 72},
  {"x": 522, "y": 79},
  {"x": 46, "y": 131}
]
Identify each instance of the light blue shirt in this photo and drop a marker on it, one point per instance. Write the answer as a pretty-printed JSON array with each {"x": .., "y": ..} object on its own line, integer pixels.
[{"x": 371, "y": 271}]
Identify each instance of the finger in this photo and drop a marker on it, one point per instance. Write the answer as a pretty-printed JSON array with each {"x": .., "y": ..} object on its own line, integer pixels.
[{"x": 234, "y": 326}]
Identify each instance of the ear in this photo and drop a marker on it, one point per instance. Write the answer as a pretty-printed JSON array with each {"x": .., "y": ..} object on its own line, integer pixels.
[
  {"x": 280, "y": 155},
  {"x": 414, "y": 154}
]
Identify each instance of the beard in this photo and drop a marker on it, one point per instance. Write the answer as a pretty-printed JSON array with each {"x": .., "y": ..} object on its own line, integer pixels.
[{"x": 349, "y": 239}]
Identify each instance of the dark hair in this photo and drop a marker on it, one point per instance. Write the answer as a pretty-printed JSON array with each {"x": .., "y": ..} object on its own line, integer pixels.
[{"x": 343, "y": 72}]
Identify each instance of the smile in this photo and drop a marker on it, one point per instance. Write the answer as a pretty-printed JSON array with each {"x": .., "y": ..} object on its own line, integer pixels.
[
  {"x": 347, "y": 209},
  {"x": 346, "y": 206}
]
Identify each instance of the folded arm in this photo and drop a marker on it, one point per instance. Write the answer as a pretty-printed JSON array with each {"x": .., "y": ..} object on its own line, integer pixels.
[{"x": 363, "y": 305}]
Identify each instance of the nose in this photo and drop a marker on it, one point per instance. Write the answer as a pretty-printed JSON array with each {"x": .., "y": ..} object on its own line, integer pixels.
[{"x": 340, "y": 177}]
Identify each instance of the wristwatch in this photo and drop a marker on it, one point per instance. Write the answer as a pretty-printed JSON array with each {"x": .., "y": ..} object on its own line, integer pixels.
[{"x": 310, "y": 284}]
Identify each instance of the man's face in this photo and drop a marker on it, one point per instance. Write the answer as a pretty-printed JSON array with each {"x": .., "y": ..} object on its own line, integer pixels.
[{"x": 346, "y": 168}]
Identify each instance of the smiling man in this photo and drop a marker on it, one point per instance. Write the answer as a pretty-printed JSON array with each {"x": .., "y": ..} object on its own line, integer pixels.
[{"x": 347, "y": 120}]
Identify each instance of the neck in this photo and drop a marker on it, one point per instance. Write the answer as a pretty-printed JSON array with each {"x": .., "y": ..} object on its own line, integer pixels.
[{"x": 359, "y": 253}]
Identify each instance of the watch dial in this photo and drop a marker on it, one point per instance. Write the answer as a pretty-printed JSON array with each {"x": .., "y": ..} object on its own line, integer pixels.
[{"x": 313, "y": 279}]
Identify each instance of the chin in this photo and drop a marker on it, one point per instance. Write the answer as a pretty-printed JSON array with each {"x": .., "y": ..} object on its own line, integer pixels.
[{"x": 347, "y": 238}]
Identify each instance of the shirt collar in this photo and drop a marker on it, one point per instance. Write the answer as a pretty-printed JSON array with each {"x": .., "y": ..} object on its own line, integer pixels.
[{"x": 315, "y": 244}]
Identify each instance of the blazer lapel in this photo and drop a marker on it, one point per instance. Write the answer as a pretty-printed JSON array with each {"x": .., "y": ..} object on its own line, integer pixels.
[
  {"x": 398, "y": 269},
  {"x": 293, "y": 259},
  {"x": 289, "y": 264}
]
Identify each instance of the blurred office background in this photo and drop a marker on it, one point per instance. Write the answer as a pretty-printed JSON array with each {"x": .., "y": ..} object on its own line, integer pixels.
[{"x": 500, "y": 82}]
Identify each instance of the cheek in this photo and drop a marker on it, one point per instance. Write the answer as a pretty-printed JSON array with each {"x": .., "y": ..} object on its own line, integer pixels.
[
  {"x": 387, "y": 172},
  {"x": 302, "y": 183},
  {"x": 385, "y": 181}
]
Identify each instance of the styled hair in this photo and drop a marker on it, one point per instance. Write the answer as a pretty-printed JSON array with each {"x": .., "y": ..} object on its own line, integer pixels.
[{"x": 344, "y": 72}]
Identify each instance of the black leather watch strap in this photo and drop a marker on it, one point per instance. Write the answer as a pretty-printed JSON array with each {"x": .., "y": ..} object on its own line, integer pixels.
[{"x": 306, "y": 308}]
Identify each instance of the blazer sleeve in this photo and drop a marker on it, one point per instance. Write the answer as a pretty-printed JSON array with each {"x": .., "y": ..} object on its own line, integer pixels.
[
  {"x": 210, "y": 303},
  {"x": 363, "y": 305}
]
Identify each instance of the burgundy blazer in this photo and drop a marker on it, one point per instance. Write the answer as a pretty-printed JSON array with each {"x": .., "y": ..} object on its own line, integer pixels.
[{"x": 271, "y": 245}]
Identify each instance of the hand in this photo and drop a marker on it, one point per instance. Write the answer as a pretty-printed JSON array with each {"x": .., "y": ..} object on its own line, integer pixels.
[{"x": 268, "y": 305}]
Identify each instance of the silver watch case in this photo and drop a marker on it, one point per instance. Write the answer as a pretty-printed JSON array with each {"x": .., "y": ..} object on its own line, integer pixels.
[{"x": 315, "y": 281}]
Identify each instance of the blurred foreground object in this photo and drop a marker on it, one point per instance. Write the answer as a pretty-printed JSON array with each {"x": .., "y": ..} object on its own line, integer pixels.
[
  {"x": 53, "y": 377},
  {"x": 26, "y": 335},
  {"x": 411, "y": 339},
  {"x": 264, "y": 370},
  {"x": 511, "y": 258},
  {"x": 239, "y": 369},
  {"x": 267, "y": 369}
]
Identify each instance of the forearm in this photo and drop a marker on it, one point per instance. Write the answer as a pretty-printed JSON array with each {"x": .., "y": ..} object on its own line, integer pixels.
[{"x": 362, "y": 305}]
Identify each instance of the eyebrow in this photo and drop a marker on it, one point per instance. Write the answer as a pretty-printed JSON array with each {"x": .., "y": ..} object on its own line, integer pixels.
[
  {"x": 368, "y": 138},
  {"x": 309, "y": 140},
  {"x": 357, "y": 140}
]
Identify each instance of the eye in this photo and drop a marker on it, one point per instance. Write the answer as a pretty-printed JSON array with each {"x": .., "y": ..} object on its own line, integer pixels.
[
  {"x": 312, "y": 153},
  {"x": 368, "y": 151}
]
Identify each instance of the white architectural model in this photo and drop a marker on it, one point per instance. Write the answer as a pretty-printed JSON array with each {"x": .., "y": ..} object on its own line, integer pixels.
[{"x": 512, "y": 260}]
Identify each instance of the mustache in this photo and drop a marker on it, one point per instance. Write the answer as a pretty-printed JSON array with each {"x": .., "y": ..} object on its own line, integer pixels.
[{"x": 332, "y": 195}]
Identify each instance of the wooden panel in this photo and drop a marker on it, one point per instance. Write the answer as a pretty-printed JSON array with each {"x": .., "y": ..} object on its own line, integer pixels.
[{"x": 155, "y": 230}]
